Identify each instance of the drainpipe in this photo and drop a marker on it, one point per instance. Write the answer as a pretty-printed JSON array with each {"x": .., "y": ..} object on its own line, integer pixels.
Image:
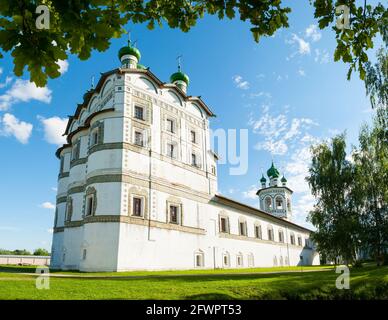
[
  {"x": 288, "y": 250},
  {"x": 149, "y": 186}
]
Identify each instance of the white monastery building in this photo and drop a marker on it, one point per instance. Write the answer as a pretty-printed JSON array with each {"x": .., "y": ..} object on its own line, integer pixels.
[{"x": 137, "y": 187}]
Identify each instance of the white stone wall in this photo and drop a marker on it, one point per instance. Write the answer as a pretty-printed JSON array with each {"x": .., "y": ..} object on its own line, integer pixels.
[{"x": 152, "y": 243}]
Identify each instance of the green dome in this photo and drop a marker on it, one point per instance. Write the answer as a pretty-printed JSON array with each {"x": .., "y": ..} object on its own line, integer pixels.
[
  {"x": 179, "y": 76},
  {"x": 140, "y": 66},
  {"x": 263, "y": 179},
  {"x": 130, "y": 51},
  {"x": 284, "y": 179},
  {"x": 273, "y": 172}
]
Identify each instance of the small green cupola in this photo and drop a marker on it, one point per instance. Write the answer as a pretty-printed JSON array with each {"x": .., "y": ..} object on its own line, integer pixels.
[
  {"x": 273, "y": 172},
  {"x": 129, "y": 56},
  {"x": 284, "y": 181},
  {"x": 180, "y": 79},
  {"x": 263, "y": 181}
]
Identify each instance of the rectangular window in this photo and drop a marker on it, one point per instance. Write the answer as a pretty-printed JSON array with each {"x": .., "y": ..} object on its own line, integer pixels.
[
  {"x": 139, "y": 113},
  {"x": 193, "y": 137},
  {"x": 76, "y": 151},
  {"x": 292, "y": 238},
  {"x": 62, "y": 165},
  {"x": 170, "y": 125},
  {"x": 84, "y": 254},
  {"x": 194, "y": 160},
  {"x": 137, "y": 207},
  {"x": 94, "y": 138},
  {"x": 171, "y": 150},
  {"x": 214, "y": 170},
  {"x": 280, "y": 236},
  {"x": 139, "y": 141},
  {"x": 174, "y": 210},
  {"x": 270, "y": 234},
  {"x": 224, "y": 225},
  {"x": 89, "y": 206},
  {"x": 300, "y": 241},
  {"x": 258, "y": 232},
  {"x": 242, "y": 228},
  {"x": 199, "y": 260}
]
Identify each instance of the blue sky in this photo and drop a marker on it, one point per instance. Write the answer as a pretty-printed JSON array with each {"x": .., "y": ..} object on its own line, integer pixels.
[{"x": 286, "y": 91}]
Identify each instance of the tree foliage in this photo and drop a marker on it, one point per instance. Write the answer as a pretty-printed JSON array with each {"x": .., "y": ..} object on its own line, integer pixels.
[
  {"x": 376, "y": 80},
  {"x": 80, "y": 26},
  {"x": 371, "y": 176},
  {"x": 352, "y": 196},
  {"x": 41, "y": 252},
  {"x": 335, "y": 213}
]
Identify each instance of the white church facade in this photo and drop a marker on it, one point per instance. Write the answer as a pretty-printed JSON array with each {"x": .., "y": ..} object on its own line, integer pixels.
[{"x": 137, "y": 188}]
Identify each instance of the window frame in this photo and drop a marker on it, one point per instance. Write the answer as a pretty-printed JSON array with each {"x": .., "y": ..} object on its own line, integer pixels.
[
  {"x": 137, "y": 112},
  {"x": 142, "y": 206},
  {"x": 178, "y": 213},
  {"x": 227, "y": 229},
  {"x": 89, "y": 205},
  {"x": 136, "y": 133}
]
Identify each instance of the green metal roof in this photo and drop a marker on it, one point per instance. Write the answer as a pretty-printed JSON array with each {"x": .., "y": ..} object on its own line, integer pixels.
[
  {"x": 179, "y": 76},
  {"x": 130, "y": 51},
  {"x": 273, "y": 172},
  {"x": 263, "y": 179}
]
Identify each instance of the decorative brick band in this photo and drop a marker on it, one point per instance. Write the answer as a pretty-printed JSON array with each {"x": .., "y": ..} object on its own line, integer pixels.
[
  {"x": 63, "y": 175},
  {"x": 58, "y": 229},
  {"x": 77, "y": 162},
  {"x": 61, "y": 200},
  {"x": 246, "y": 238},
  {"x": 76, "y": 189},
  {"x": 133, "y": 220}
]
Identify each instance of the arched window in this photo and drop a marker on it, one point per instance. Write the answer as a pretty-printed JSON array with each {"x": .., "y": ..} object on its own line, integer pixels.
[
  {"x": 240, "y": 261},
  {"x": 199, "y": 259},
  {"x": 281, "y": 236},
  {"x": 242, "y": 227},
  {"x": 279, "y": 203},
  {"x": 268, "y": 203},
  {"x": 281, "y": 261},
  {"x": 226, "y": 259},
  {"x": 251, "y": 261},
  {"x": 270, "y": 233},
  {"x": 258, "y": 232},
  {"x": 90, "y": 201},
  {"x": 69, "y": 209},
  {"x": 292, "y": 238}
]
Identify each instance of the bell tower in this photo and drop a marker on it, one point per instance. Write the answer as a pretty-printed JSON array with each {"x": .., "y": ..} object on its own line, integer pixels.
[{"x": 275, "y": 197}]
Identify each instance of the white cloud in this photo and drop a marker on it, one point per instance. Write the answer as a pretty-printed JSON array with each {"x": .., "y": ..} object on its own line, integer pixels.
[
  {"x": 8, "y": 80},
  {"x": 303, "y": 46},
  {"x": 313, "y": 33},
  {"x": 301, "y": 72},
  {"x": 48, "y": 205},
  {"x": 54, "y": 128},
  {"x": 24, "y": 91},
  {"x": 240, "y": 82},
  {"x": 63, "y": 66},
  {"x": 1, "y": 71},
  {"x": 12, "y": 126},
  {"x": 51, "y": 230},
  {"x": 251, "y": 192},
  {"x": 278, "y": 131},
  {"x": 55, "y": 189},
  {"x": 321, "y": 57}
]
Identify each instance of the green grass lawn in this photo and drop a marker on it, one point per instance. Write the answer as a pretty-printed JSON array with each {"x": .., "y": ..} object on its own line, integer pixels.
[{"x": 366, "y": 283}]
